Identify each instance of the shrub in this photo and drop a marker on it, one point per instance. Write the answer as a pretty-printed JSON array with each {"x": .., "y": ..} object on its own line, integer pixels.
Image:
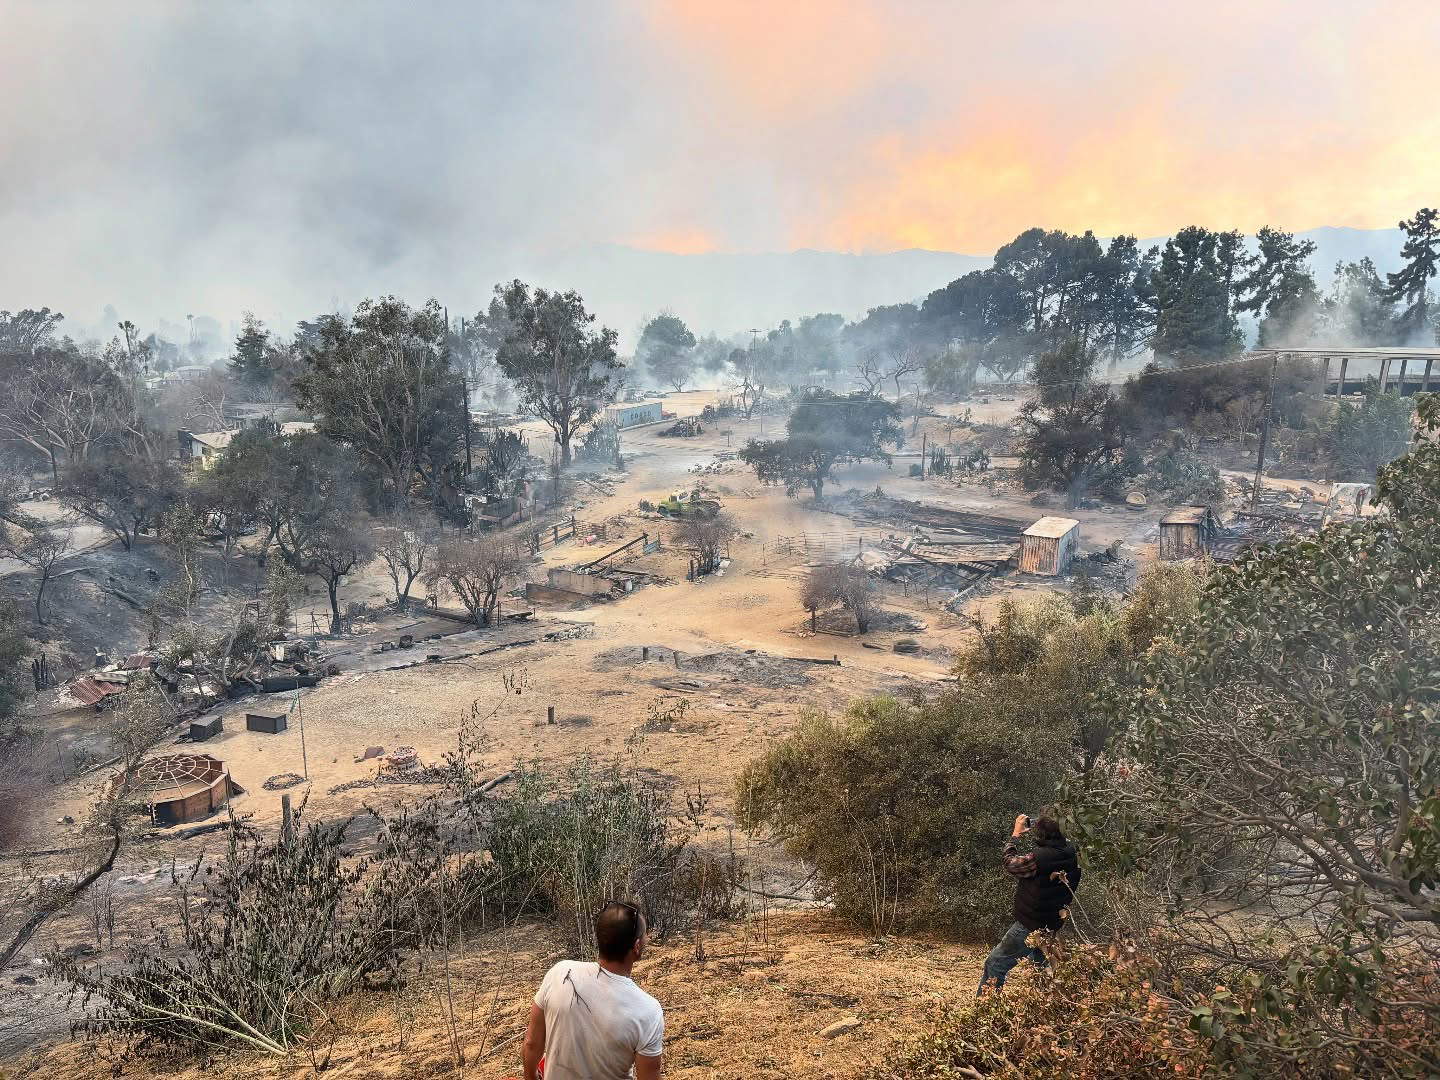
[
  {"x": 903, "y": 809},
  {"x": 273, "y": 931},
  {"x": 1095, "y": 1016},
  {"x": 1274, "y": 788},
  {"x": 1178, "y": 476},
  {"x": 566, "y": 843}
]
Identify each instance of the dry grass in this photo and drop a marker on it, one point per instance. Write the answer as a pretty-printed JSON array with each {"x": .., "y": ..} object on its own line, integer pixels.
[{"x": 754, "y": 1007}]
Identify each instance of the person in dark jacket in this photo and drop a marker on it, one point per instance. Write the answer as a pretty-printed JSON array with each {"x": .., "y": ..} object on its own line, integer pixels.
[{"x": 1045, "y": 882}]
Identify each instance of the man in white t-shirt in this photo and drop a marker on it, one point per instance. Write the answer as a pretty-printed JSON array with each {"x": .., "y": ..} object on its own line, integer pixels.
[{"x": 590, "y": 1021}]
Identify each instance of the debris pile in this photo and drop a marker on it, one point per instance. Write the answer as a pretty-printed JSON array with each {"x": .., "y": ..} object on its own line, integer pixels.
[
  {"x": 685, "y": 428},
  {"x": 877, "y": 507}
]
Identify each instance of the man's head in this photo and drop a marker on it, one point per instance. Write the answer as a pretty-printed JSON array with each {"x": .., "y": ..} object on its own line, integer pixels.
[
  {"x": 620, "y": 933},
  {"x": 1046, "y": 831}
]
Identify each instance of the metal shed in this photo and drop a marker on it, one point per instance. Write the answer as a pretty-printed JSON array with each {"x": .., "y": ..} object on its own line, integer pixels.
[
  {"x": 270, "y": 723},
  {"x": 1188, "y": 532},
  {"x": 1048, "y": 546}
]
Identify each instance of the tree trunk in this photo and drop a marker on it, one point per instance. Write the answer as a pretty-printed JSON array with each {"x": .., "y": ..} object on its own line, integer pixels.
[
  {"x": 332, "y": 585},
  {"x": 64, "y": 900},
  {"x": 40, "y": 601}
]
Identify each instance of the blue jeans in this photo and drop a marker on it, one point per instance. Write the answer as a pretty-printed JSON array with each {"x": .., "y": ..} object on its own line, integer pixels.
[{"x": 1011, "y": 950}]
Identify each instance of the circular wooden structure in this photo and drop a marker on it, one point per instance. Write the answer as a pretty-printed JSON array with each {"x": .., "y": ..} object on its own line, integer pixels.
[{"x": 181, "y": 787}]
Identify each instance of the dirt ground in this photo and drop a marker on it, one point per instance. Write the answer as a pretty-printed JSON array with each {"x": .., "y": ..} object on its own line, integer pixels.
[{"x": 732, "y": 647}]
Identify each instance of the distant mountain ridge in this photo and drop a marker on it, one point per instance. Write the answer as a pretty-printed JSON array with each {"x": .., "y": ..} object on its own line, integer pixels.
[{"x": 727, "y": 293}]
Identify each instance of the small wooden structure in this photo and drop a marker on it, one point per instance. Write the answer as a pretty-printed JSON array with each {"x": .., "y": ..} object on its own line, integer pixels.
[
  {"x": 1048, "y": 546},
  {"x": 1188, "y": 532},
  {"x": 207, "y": 727},
  {"x": 270, "y": 723},
  {"x": 181, "y": 787}
]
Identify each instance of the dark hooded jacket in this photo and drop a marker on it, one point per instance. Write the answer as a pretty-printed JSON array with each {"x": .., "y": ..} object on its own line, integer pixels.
[{"x": 1046, "y": 879}]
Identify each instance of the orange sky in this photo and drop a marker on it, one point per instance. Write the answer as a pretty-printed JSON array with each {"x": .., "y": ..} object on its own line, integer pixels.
[{"x": 954, "y": 125}]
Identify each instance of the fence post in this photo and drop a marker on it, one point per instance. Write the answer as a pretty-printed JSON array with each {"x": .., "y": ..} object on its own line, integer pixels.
[{"x": 550, "y": 714}]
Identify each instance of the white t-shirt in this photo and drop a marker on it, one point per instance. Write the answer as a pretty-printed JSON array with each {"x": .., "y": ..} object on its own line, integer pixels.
[{"x": 596, "y": 1022}]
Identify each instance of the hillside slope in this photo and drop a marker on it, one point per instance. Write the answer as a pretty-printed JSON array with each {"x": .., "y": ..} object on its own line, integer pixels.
[{"x": 755, "y": 1006}]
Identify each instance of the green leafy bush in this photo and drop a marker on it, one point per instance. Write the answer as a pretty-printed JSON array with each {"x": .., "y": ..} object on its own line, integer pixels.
[
  {"x": 903, "y": 809},
  {"x": 565, "y": 843}
]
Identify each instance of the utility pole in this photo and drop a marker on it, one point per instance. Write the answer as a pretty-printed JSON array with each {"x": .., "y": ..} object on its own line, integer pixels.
[
  {"x": 753, "y": 337},
  {"x": 1264, "y": 431},
  {"x": 465, "y": 404}
]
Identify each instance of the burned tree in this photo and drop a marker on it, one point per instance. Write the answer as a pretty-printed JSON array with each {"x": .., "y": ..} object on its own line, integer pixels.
[
  {"x": 840, "y": 585},
  {"x": 707, "y": 537},
  {"x": 404, "y": 551},
  {"x": 56, "y": 399},
  {"x": 41, "y": 549},
  {"x": 139, "y": 722},
  {"x": 338, "y": 545},
  {"x": 477, "y": 571},
  {"x": 124, "y": 491}
]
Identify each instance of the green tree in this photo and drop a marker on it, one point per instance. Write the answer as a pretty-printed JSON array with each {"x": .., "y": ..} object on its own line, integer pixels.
[
  {"x": 1279, "y": 289},
  {"x": 1073, "y": 427},
  {"x": 547, "y": 346},
  {"x": 1122, "y": 319},
  {"x": 824, "y": 430},
  {"x": 1275, "y": 770},
  {"x": 1362, "y": 437},
  {"x": 1411, "y": 284},
  {"x": 254, "y": 361},
  {"x": 1194, "y": 322},
  {"x": 666, "y": 349},
  {"x": 985, "y": 314},
  {"x": 1359, "y": 310},
  {"x": 383, "y": 384}
]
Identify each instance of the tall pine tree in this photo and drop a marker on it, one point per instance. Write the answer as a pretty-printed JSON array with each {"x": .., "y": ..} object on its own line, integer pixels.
[
  {"x": 1280, "y": 288},
  {"x": 1194, "y": 322},
  {"x": 1411, "y": 284}
]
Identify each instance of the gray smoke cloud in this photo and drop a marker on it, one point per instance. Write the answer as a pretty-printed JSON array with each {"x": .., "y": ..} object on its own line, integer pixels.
[
  {"x": 283, "y": 157},
  {"x": 174, "y": 157}
]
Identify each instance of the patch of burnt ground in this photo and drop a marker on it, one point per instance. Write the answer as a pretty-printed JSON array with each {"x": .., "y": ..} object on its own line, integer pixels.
[{"x": 750, "y": 667}]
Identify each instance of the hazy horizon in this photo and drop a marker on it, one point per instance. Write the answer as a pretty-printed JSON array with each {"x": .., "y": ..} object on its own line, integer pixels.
[{"x": 170, "y": 158}]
